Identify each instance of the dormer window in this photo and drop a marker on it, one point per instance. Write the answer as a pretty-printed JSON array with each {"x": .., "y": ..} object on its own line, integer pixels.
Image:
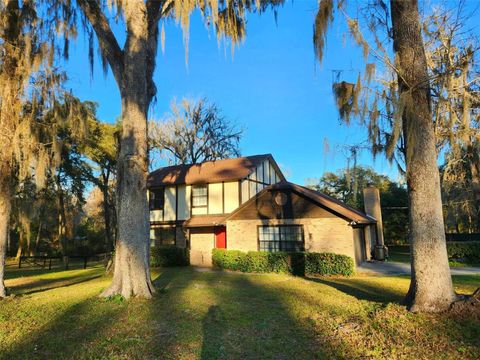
[
  {"x": 156, "y": 199},
  {"x": 199, "y": 196}
]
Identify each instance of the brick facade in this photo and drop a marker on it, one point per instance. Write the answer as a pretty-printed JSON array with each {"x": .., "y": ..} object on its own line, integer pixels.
[{"x": 329, "y": 234}]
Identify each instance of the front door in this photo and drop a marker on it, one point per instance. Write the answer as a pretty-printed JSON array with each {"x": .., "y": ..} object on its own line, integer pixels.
[{"x": 221, "y": 237}]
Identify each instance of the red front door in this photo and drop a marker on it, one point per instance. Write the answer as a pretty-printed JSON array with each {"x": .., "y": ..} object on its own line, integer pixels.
[{"x": 221, "y": 237}]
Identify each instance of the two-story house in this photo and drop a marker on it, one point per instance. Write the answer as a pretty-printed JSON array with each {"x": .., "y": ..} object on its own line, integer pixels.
[{"x": 246, "y": 204}]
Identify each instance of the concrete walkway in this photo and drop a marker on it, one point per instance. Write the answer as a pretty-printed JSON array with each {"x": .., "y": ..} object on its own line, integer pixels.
[{"x": 397, "y": 268}]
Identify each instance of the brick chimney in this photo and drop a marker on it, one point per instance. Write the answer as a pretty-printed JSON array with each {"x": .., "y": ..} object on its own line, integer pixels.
[{"x": 371, "y": 202}]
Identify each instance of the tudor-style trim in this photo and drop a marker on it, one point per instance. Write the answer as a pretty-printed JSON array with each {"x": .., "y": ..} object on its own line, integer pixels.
[
  {"x": 259, "y": 182},
  {"x": 263, "y": 172},
  {"x": 326, "y": 202},
  {"x": 223, "y": 197},
  {"x": 239, "y": 192},
  {"x": 168, "y": 222},
  {"x": 176, "y": 212}
]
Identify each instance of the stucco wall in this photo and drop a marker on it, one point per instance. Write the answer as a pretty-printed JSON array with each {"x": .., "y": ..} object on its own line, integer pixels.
[{"x": 330, "y": 234}]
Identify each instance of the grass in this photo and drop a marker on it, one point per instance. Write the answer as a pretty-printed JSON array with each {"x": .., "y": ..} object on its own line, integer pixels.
[
  {"x": 401, "y": 253},
  {"x": 206, "y": 315}
]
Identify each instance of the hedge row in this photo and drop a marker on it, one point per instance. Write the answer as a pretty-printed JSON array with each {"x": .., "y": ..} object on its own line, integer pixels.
[
  {"x": 328, "y": 264},
  {"x": 282, "y": 262},
  {"x": 468, "y": 250},
  {"x": 168, "y": 256}
]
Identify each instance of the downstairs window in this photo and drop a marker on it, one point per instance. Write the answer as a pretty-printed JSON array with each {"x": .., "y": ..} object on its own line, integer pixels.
[
  {"x": 281, "y": 238},
  {"x": 162, "y": 236}
]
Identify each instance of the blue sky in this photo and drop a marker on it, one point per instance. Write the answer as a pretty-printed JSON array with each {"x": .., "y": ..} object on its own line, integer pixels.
[{"x": 272, "y": 87}]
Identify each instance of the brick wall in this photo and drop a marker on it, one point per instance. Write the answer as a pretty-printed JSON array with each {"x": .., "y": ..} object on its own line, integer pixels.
[{"x": 330, "y": 234}]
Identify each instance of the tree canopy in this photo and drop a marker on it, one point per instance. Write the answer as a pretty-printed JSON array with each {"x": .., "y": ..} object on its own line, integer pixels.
[{"x": 194, "y": 133}]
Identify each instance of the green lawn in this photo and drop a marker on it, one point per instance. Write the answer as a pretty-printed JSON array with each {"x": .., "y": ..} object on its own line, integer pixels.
[
  {"x": 401, "y": 253},
  {"x": 203, "y": 315}
]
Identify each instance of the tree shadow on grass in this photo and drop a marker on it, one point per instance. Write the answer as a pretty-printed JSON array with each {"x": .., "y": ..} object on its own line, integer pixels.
[
  {"x": 361, "y": 289},
  {"x": 251, "y": 320},
  {"x": 49, "y": 284},
  {"x": 69, "y": 335},
  {"x": 13, "y": 272}
]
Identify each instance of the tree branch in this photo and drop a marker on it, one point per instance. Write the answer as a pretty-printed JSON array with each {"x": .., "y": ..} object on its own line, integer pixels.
[{"x": 108, "y": 43}]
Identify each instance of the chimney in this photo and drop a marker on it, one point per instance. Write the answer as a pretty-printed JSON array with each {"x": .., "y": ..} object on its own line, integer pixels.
[{"x": 371, "y": 201}]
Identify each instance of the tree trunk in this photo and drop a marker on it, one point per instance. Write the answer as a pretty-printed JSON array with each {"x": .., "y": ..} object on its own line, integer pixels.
[
  {"x": 106, "y": 213},
  {"x": 62, "y": 219},
  {"x": 431, "y": 284},
  {"x": 39, "y": 234},
  {"x": 5, "y": 210},
  {"x": 132, "y": 252},
  {"x": 20, "y": 243}
]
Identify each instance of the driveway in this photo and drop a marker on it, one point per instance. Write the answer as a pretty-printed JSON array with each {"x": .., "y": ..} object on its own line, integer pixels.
[{"x": 397, "y": 268}]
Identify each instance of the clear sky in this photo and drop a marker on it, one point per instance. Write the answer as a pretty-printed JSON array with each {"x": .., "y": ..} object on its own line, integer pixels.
[{"x": 272, "y": 87}]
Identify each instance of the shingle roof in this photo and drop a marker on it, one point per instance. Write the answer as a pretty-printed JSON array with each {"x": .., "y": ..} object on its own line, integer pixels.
[
  {"x": 205, "y": 221},
  {"x": 210, "y": 171},
  {"x": 320, "y": 199}
]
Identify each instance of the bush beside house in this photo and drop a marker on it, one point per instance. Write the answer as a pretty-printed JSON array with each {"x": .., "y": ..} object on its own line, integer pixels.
[
  {"x": 467, "y": 251},
  {"x": 282, "y": 262},
  {"x": 168, "y": 256},
  {"x": 328, "y": 264}
]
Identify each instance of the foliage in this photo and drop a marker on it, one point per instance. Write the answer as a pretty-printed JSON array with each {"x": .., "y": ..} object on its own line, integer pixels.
[
  {"x": 101, "y": 149},
  {"x": 459, "y": 255},
  {"x": 228, "y": 259},
  {"x": 328, "y": 264},
  {"x": 269, "y": 316},
  {"x": 283, "y": 262},
  {"x": 168, "y": 256},
  {"x": 462, "y": 209},
  {"x": 465, "y": 250},
  {"x": 255, "y": 261},
  {"x": 194, "y": 134}
]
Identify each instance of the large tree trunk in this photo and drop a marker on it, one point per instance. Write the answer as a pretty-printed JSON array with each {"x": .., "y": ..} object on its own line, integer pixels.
[
  {"x": 132, "y": 252},
  {"x": 5, "y": 209},
  {"x": 431, "y": 284}
]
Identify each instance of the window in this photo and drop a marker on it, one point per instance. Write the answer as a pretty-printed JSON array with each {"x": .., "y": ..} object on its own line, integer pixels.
[
  {"x": 156, "y": 199},
  {"x": 163, "y": 236},
  {"x": 199, "y": 196},
  {"x": 280, "y": 238}
]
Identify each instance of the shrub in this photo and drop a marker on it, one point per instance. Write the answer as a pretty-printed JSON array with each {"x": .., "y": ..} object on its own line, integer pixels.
[
  {"x": 468, "y": 250},
  {"x": 328, "y": 264},
  {"x": 282, "y": 262},
  {"x": 168, "y": 256}
]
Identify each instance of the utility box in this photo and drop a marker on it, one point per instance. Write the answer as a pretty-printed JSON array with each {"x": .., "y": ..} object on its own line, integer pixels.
[{"x": 380, "y": 252}]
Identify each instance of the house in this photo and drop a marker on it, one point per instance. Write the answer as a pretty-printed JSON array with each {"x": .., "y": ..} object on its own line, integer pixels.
[{"x": 247, "y": 204}]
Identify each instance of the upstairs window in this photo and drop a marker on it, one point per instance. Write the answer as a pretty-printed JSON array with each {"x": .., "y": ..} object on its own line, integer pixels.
[
  {"x": 199, "y": 196},
  {"x": 281, "y": 238},
  {"x": 156, "y": 199}
]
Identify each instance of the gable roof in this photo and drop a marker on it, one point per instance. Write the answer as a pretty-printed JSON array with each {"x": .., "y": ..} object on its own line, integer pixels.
[
  {"x": 320, "y": 199},
  {"x": 210, "y": 171}
]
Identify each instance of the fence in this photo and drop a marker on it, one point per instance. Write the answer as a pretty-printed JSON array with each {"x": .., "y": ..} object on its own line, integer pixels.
[
  {"x": 463, "y": 237},
  {"x": 44, "y": 260}
]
